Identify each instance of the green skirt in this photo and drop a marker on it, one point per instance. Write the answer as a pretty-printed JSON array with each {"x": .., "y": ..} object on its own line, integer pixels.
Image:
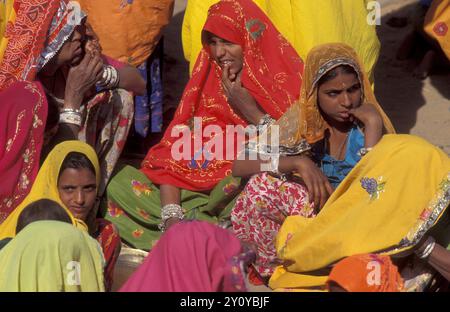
[{"x": 133, "y": 204}]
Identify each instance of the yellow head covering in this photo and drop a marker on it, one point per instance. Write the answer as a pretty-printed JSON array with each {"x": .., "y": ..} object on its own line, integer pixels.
[
  {"x": 51, "y": 256},
  {"x": 46, "y": 184},
  {"x": 304, "y": 120}
]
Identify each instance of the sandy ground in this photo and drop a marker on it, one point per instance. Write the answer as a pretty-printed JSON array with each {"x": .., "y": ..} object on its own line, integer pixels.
[{"x": 415, "y": 106}]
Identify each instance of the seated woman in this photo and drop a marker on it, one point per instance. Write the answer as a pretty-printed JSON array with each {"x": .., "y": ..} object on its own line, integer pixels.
[
  {"x": 239, "y": 79},
  {"x": 70, "y": 176},
  {"x": 69, "y": 65},
  {"x": 51, "y": 256},
  {"x": 138, "y": 44},
  {"x": 193, "y": 257},
  {"x": 338, "y": 114},
  {"x": 394, "y": 196},
  {"x": 304, "y": 23}
]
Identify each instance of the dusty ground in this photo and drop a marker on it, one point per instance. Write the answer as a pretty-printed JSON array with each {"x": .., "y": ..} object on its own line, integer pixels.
[{"x": 415, "y": 106}]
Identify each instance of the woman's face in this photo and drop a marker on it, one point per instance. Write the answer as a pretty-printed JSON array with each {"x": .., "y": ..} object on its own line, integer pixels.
[
  {"x": 226, "y": 53},
  {"x": 78, "y": 191},
  {"x": 338, "y": 95},
  {"x": 71, "y": 53}
]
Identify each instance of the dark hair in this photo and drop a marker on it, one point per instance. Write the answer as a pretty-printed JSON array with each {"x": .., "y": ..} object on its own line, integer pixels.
[
  {"x": 43, "y": 209},
  {"x": 53, "y": 113},
  {"x": 76, "y": 160},
  {"x": 341, "y": 69}
]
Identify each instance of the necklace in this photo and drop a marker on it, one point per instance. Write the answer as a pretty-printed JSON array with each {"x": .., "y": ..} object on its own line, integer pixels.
[
  {"x": 342, "y": 145},
  {"x": 338, "y": 156}
]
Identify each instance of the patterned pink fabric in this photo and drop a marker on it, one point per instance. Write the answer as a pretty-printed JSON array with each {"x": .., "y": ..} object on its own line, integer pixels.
[
  {"x": 261, "y": 209},
  {"x": 192, "y": 256}
]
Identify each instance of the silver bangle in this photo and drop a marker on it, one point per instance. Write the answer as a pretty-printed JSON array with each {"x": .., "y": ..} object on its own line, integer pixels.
[
  {"x": 274, "y": 164},
  {"x": 110, "y": 78},
  {"x": 70, "y": 118},
  {"x": 264, "y": 122},
  {"x": 428, "y": 249},
  {"x": 363, "y": 151},
  {"x": 70, "y": 110},
  {"x": 168, "y": 212}
]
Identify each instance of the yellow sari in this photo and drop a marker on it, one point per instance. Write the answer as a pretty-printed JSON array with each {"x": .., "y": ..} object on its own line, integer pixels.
[
  {"x": 437, "y": 24},
  {"x": 46, "y": 184},
  {"x": 7, "y": 15},
  {"x": 390, "y": 199},
  {"x": 303, "y": 23},
  {"x": 51, "y": 256}
]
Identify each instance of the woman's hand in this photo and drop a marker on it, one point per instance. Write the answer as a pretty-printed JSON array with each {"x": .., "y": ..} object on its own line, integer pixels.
[
  {"x": 367, "y": 114},
  {"x": 319, "y": 188},
  {"x": 81, "y": 79},
  {"x": 92, "y": 41},
  {"x": 239, "y": 98},
  {"x": 373, "y": 123}
]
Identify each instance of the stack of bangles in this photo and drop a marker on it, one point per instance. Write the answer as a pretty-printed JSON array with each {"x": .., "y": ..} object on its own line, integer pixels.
[
  {"x": 168, "y": 212},
  {"x": 70, "y": 116},
  {"x": 431, "y": 243},
  {"x": 110, "y": 78}
]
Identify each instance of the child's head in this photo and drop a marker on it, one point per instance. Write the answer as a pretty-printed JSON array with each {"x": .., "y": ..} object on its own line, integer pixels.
[
  {"x": 43, "y": 209},
  {"x": 338, "y": 91}
]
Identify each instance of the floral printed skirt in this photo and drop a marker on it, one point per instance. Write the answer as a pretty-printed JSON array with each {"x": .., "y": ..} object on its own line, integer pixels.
[
  {"x": 133, "y": 205},
  {"x": 261, "y": 209}
]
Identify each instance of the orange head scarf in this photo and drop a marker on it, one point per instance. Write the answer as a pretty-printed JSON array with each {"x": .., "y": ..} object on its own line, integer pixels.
[
  {"x": 366, "y": 273},
  {"x": 271, "y": 72},
  {"x": 304, "y": 121}
]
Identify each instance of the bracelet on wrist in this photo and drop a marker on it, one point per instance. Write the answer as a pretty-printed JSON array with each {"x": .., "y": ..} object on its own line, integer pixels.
[
  {"x": 431, "y": 243},
  {"x": 363, "y": 151},
  {"x": 168, "y": 212},
  {"x": 70, "y": 117}
]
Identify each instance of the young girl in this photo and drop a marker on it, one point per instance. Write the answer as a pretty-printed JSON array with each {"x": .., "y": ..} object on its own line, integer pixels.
[{"x": 339, "y": 115}]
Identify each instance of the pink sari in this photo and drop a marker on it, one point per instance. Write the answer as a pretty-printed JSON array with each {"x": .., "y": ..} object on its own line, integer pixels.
[
  {"x": 23, "y": 115},
  {"x": 192, "y": 257}
]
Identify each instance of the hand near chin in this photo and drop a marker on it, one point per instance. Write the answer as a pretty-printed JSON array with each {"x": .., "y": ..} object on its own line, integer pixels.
[
  {"x": 239, "y": 98},
  {"x": 366, "y": 114},
  {"x": 81, "y": 78}
]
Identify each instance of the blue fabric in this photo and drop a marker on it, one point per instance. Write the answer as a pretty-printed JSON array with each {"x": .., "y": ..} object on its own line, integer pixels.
[
  {"x": 142, "y": 106},
  {"x": 152, "y": 101},
  {"x": 156, "y": 96},
  {"x": 426, "y": 3},
  {"x": 337, "y": 170}
]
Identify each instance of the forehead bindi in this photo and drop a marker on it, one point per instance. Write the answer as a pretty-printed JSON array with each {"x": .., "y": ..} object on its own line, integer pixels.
[{"x": 341, "y": 82}]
